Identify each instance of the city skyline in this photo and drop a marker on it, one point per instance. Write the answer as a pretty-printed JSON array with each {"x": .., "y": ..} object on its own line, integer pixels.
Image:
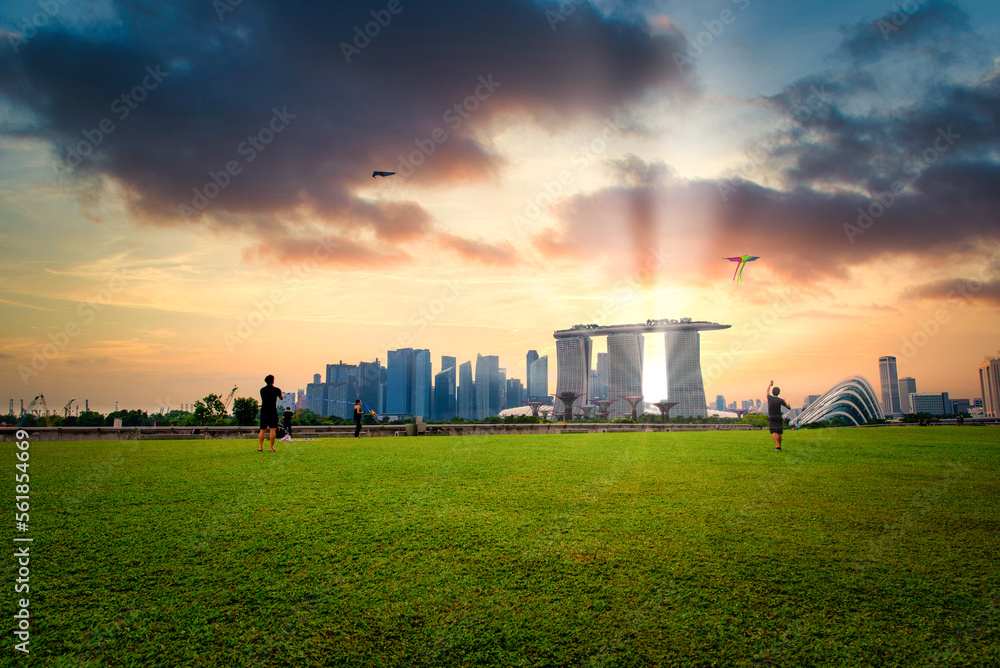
[{"x": 203, "y": 213}]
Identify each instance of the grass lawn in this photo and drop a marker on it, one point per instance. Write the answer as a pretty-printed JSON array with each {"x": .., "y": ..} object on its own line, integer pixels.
[{"x": 852, "y": 547}]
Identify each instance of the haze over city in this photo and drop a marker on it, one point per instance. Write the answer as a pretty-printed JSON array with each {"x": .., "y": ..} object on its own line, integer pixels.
[{"x": 187, "y": 199}]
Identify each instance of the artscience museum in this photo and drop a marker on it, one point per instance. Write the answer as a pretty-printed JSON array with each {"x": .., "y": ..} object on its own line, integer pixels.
[{"x": 852, "y": 399}]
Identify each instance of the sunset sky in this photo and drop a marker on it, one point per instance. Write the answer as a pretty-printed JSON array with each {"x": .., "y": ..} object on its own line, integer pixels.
[{"x": 187, "y": 200}]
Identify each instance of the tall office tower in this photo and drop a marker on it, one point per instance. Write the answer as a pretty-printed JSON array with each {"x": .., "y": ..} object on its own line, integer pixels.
[
  {"x": 341, "y": 389},
  {"x": 890, "y": 386},
  {"x": 502, "y": 385},
  {"x": 600, "y": 390},
  {"x": 539, "y": 388},
  {"x": 422, "y": 382},
  {"x": 487, "y": 386},
  {"x": 316, "y": 397},
  {"x": 989, "y": 384},
  {"x": 444, "y": 393},
  {"x": 529, "y": 360},
  {"x": 684, "y": 381},
  {"x": 515, "y": 393},
  {"x": 466, "y": 392},
  {"x": 625, "y": 372},
  {"x": 573, "y": 356},
  {"x": 907, "y": 386},
  {"x": 317, "y": 378},
  {"x": 370, "y": 384},
  {"x": 809, "y": 399},
  {"x": 720, "y": 402},
  {"x": 446, "y": 398},
  {"x": 399, "y": 381}
]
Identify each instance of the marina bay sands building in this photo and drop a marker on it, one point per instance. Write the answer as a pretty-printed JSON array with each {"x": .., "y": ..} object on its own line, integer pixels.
[{"x": 682, "y": 340}]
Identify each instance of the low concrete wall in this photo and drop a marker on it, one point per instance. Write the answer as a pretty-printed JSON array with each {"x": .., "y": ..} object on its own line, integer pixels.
[{"x": 346, "y": 431}]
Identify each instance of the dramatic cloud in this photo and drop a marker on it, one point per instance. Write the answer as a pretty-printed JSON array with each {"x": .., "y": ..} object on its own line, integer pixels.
[{"x": 227, "y": 116}]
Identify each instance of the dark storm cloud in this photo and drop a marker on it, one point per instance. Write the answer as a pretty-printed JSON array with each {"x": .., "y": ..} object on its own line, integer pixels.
[{"x": 208, "y": 116}]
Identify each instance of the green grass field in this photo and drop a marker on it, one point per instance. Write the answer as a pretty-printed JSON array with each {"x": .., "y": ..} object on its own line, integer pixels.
[{"x": 851, "y": 547}]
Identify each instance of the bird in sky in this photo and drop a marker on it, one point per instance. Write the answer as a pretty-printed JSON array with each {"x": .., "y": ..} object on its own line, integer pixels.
[{"x": 742, "y": 259}]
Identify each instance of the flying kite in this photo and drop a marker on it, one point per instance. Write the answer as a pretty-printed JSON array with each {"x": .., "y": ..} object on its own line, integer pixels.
[
  {"x": 742, "y": 259},
  {"x": 374, "y": 174}
]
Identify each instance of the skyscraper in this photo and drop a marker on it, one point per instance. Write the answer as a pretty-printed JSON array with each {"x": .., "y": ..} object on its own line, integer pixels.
[
  {"x": 907, "y": 386},
  {"x": 890, "y": 386},
  {"x": 625, "y": 352},
  {"x": 422, "y": 380},
  {"x": 466, "y": 392},
  {"x": 341, "y": 389},
  {"x": 573, "y": 356},
  {"x": 531, "y": 358},
  {"x": 684, "y": 380},
  {"x": 444, "y": 391},
  {"x": 600, "y": 389},
  {"x": 989, "y": 384},
  {"x": 720, "y": 402},
  {"x": 399, "y": 382},
  {"x": 488, "y": 394},
  {"x": 539, "y": 388},
  {"x": 515, "y": 393}
]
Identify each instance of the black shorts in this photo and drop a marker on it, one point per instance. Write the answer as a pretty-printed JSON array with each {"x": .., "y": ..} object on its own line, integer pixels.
[
  {"x": 268, "y": 421},
  {"x": 776, "y": 425}
]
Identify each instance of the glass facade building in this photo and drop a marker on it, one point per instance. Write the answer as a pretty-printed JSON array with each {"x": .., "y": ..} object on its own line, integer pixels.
[
  {"x": 852, "y": 399},
  {"x": 488, "y": 389},
  {"x": 399, "y": 382},
  {"x": 890, "y": 386},
  {"x": 684, "y": 380},
  {"x": 573, "y": 356},
  {"x": 466, "y": 392},
  {"x": 907, "y": 386},
  {"x": 625, "y": 352},
  {"x": 538, "y": 386},
  {"x": 422, "y": 383}
]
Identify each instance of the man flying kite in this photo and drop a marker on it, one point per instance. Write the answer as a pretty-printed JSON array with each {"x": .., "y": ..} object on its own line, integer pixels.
[{"x": 742, "y": 259}]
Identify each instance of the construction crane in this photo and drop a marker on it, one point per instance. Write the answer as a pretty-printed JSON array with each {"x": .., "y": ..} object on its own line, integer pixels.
[
  {"x": 225, "y": 404},
  {"x": 66, "y": 408},
  {"x": 38, "y": 412}
]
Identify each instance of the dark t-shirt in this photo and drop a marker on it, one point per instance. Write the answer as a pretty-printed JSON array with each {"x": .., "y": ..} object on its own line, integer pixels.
[
  {"x": 269, "y": 400},
  {"x": 774, "y": 405},
  {"x": 287, "y": 418},
  {"x": 358, "y": 412}
]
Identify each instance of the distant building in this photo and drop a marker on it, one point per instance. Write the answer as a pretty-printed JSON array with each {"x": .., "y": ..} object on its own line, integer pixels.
[
  {"x": 907, "y": 386},
  {"x": 538, "y": 387},
  {"x": 684, "y": 380},
  {"x": 445, "y": 398},
  {"x": 515, "y": 393},
  {"x": 466, "y": 392},
  {"x": 720, "y": 402},
  {"x": 371, "y": 385},
  {"x": 809, "y": 400},
  {"x": 341, "y": 389},
  {"x": 924, "y": 402},
  {"x": 399, "y": 383},
  {"x": 488, "y": 393},
  {"x": 852, "y": 399},
  {"x": 989, "y": 383},
  {"x": 890, "y": 386},
  {"x": 625, "y": 351},
  {"x": 422, "y": 382},
  {"x": 599, "y": 390},
  {"x": 573, "y": 361},
  {"x": 959, "y": 406},
  {"x": 528, "y": 361}
]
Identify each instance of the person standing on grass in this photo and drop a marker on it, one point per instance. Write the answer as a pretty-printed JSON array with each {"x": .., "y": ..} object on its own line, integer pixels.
[
  {"x": 774, "y": 420},
  {"x": 358, "y": 414},
  {"x": 269, "y": 395},
  {"x": 286, "y": 421}
]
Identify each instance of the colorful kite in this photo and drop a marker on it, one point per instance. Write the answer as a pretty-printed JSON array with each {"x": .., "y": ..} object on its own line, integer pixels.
[
  {"x": 374, "y": 174},
  {"x": 742, "y": 259}
]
